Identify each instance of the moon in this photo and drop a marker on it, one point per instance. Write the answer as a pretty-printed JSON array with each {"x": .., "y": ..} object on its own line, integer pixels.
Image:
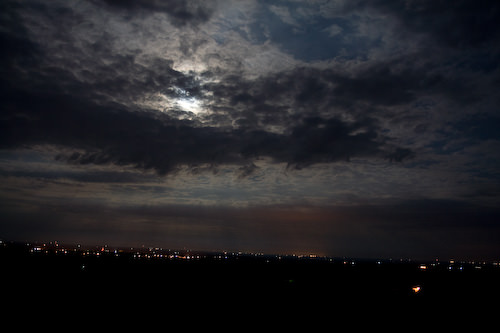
[
  {"x": 189, "y": 104},
  {"x": 179, "y": 100}
]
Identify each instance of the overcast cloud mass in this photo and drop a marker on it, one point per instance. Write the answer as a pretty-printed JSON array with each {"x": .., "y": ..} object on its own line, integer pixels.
[{"x": 346, "y": 128}]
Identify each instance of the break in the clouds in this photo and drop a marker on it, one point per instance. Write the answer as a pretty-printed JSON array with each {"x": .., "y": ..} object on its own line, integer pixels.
[{"x": 248, "y": 103}]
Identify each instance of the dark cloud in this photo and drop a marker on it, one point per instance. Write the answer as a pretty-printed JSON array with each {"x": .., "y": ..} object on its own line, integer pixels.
[
  {"x": 452, "y": 49},
  {"x": 181, "y": 12},
  {"x": 281, "y": 96},
  {"x": 82, "y": 176},
  {"x": 400, "y": 154},
  {"x": 118, "y": 136},
  {"x": 480, "y": 127},
  {"x": 385, "y": 84},
  {"x": 320, "y": 140},
  {"x": 18, "y": 50},
  {"x": 460, "y": 24}
]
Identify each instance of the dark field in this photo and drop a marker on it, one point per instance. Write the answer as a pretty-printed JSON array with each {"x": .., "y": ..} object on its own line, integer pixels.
[{"x": 35, "y": 275}]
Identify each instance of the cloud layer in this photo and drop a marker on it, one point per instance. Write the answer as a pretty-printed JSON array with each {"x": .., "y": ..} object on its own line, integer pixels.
[{"x": 331, "y": 103}]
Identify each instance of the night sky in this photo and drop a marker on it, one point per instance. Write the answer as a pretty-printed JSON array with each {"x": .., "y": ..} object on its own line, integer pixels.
[{"x": 341, "y": 128}]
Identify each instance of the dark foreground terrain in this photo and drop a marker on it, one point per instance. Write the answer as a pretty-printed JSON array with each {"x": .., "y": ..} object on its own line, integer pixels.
[{"x": 37, "y": 275}]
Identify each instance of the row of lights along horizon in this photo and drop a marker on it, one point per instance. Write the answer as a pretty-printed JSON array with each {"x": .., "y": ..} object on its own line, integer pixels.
[{"x": 54, "y": 247}]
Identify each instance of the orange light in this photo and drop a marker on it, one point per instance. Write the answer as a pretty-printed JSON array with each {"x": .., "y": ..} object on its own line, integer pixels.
[{"x": 416, "y": 289}]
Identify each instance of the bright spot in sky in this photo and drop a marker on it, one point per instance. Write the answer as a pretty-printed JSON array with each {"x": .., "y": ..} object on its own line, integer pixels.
[
  {"x": 181, "y": 101},
  {"x": 189, "y": 104},
  {"x": 186, "y": 102}
]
